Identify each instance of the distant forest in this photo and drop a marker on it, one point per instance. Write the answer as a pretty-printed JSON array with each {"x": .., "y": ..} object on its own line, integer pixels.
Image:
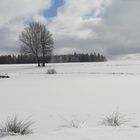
[{"x": 27, "y": 59}]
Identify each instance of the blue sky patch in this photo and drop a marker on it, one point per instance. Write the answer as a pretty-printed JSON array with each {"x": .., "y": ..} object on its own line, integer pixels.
[{"x": 52, "y": 11}]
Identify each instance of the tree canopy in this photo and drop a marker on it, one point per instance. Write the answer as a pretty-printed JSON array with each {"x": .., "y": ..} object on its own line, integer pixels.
[{"x": 36, "y": 40}]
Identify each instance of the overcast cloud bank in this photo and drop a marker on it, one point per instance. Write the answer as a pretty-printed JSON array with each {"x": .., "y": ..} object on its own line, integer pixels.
[{"x": 107, "y": 26}]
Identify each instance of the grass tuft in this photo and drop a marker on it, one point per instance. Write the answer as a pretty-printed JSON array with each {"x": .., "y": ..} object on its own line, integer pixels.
[
  {"x": 114, "y": 120},
  {"x": 74, "y": 123},
  {"x": 14, "y": 126}
]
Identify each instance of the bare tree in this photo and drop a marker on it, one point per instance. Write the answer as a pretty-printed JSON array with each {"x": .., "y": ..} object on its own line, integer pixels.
[
  {"x": 47, "y": 43},
  {"x": 30, "y": 41},
  {"x": 36, "y": 40}
]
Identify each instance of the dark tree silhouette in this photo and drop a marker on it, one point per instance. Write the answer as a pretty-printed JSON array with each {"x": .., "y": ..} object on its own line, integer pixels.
[{"x": 36, "y": 40}]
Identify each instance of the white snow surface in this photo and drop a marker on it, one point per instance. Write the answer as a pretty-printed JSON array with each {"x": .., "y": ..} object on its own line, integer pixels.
[{"x": 84, "y": 91}]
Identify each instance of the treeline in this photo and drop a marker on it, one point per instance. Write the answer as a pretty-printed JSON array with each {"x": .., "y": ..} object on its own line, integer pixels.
[
  {"x": 27, "y": 59},
  {"x": 93, "y": 57},
  {"x": 20, "y": 59}
]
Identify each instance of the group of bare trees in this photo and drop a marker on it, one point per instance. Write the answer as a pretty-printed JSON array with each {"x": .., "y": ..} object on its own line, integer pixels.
[{"x": 36, "y": 40}]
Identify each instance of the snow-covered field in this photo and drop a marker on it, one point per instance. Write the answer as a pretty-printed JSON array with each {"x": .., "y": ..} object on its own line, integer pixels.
[{"x": 85, "y": 91}]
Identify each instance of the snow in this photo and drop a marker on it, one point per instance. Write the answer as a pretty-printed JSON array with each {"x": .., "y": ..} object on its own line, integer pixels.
[{"x": 81, "y": 91}]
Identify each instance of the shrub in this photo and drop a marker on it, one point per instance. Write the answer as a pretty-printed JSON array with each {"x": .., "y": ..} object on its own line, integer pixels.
[
  {"x": 74, "y": 123},
  {"x": 14, "y": 126},
  {"x": 114, "y": 120},
  {"x": 51, "y": 71},
  {"x": 5, "y": 75}
]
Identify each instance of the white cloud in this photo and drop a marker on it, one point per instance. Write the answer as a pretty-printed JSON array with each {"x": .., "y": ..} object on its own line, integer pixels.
[
  {"x": 15, "y": 9},
  {"x": 108, "y": 26},
  {"x": 77, "y": 22},
  {"x": 13, "y": 14},
  {"x": 78, "y": 18}
]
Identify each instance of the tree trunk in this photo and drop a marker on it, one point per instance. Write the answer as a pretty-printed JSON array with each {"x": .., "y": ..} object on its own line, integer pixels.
[
  {"x": 43, "y": 59},
  {"x": 38, "y": 61},
  {"x": 38, "y": 64}
]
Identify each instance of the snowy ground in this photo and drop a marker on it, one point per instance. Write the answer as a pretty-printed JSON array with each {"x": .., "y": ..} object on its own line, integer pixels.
[{"x": 86, "y": 91}]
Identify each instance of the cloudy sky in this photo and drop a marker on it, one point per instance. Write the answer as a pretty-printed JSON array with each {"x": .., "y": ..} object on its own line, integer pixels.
[{"x": 111, "y": 27}]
